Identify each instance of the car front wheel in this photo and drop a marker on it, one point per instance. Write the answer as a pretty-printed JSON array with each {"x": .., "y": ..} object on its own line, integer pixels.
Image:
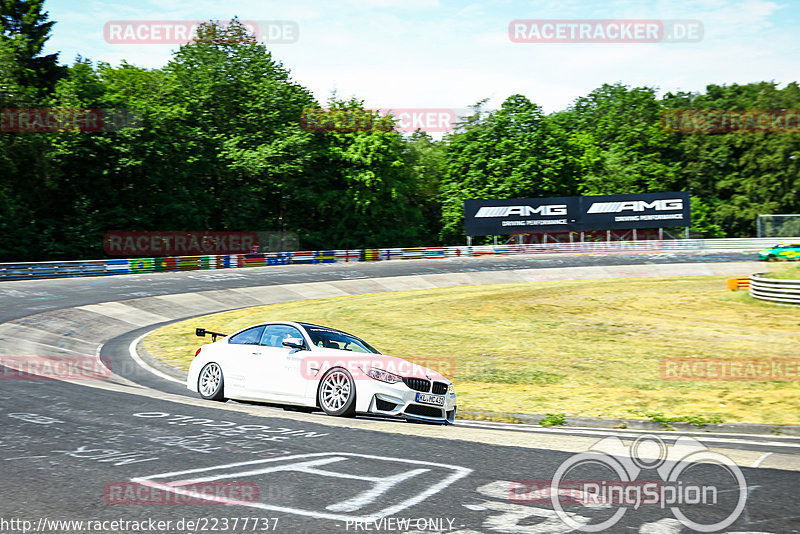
[
  {"x": 337, "y": 393},
  {"x": 210, "y": 383}
]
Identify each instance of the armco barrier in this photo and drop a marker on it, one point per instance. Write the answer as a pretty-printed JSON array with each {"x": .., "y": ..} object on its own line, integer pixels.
[
  {"x": 775, "y": 289},
  {"x": 31, "y": 271}
]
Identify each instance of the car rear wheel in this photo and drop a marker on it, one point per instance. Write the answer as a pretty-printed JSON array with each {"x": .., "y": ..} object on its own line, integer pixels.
[
  {"x": 210, "y": 383},
  {"x": 337, "y": 393}
]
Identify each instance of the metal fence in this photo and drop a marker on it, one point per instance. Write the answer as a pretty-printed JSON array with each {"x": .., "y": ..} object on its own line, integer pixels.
[{"x": 60, "y": 269}]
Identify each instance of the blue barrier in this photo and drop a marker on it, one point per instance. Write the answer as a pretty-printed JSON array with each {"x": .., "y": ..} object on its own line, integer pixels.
[{"x": 120, "y": 266}]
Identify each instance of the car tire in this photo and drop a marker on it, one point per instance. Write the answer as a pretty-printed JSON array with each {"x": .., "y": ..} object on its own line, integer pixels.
[
  {"x": 336, "y": 394},
  {"x": 211, "y": 383},
  {"x": 772, "y": 257}
]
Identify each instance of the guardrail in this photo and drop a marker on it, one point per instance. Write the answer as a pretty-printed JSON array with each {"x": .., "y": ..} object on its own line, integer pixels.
[
  {"x": 61, "y": 269},
  {"x": 775, "y": 289}
]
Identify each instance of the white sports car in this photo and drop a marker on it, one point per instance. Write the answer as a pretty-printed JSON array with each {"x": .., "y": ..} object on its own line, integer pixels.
[{"x": 309, "y": 366}]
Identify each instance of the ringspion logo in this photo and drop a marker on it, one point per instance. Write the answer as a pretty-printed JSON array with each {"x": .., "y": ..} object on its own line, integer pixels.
[{"x": 722, "y": 487}]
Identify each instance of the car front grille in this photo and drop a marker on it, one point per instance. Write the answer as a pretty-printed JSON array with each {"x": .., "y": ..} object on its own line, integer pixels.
[
  {"x": 418, "y": 384},
  {"x": 439, "y": 388},
  {"x": 425, "y": 411}
]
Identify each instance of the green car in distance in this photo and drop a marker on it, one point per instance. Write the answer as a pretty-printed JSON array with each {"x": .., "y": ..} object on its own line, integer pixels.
[{"x": 783, "y": 251}]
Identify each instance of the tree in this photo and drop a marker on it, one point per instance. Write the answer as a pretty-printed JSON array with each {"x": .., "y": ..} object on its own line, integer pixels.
[
  {"x": 24, "y": 26},
  {"x": 369, "y": 193},
  {"x": 628, "y": 151},
  {"x": 513, "y": 152}
]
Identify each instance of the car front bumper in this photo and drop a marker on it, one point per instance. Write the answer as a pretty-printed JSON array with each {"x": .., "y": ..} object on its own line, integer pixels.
[{"x": 399, "y": 400}]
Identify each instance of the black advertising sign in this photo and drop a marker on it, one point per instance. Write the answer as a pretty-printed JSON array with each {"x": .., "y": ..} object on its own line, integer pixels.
[{"x": 559, "y": 214}]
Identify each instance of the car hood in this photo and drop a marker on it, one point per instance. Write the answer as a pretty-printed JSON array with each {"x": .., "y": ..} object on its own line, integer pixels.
[{"x": 359, "y": 363}]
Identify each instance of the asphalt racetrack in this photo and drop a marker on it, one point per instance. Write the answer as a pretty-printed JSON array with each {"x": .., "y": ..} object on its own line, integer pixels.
[{"x": 140, "y": 453}]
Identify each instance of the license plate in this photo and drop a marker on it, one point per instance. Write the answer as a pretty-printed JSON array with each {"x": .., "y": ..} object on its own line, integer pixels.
[{"x": 426, "y": 398}]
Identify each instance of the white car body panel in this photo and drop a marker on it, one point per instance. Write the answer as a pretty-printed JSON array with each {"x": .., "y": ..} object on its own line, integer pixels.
[{"x": 285, "y": 375}]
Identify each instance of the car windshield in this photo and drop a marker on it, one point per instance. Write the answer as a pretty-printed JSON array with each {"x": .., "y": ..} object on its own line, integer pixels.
[{"x": 336, "y": 339}]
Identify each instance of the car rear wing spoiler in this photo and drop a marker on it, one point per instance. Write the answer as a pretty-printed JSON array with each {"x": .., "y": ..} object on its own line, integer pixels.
[{"x": 201, "y": 332}]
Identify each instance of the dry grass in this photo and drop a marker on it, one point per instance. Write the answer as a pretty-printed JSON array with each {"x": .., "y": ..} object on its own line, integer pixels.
[{"x": 588, "y": 348}]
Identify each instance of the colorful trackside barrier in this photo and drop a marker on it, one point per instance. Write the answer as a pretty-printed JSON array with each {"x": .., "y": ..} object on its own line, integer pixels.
[{"x": 32, "y": 271}]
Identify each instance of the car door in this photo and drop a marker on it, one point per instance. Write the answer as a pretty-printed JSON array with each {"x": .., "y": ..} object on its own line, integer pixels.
[
  {"x": 276, "y": 368},
  {"x": 239, "y": 353}
]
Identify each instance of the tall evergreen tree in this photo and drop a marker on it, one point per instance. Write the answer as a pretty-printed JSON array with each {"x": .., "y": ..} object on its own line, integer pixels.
[{"x": 24, "y": 25}]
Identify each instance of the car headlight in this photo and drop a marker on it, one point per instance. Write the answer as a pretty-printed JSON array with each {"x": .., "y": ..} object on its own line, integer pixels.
[
  {"x": 383, "y": 376},
  {"x": 451, "y": 389}
]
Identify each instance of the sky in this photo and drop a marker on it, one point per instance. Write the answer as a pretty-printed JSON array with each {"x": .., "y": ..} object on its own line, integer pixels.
[{"x": 451, "y": 54}]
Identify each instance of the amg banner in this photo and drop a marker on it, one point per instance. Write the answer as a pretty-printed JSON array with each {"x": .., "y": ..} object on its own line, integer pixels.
[{"x": 557, "y": 214}]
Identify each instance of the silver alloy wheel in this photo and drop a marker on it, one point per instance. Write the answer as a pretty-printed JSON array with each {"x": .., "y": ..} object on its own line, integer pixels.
[
  {"x": 210, "y": 379},
  {"x": 335, "y": 391}
]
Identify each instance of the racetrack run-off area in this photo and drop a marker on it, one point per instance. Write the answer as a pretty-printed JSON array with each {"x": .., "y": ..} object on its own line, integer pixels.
[
  {"x": 74, "y": 449},
  {"x": 600, "y": 348}
]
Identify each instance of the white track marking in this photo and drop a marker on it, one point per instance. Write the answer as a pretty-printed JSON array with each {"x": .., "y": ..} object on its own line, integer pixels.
[
  {"x": 706, "y": 437},
  {"x": 135, "y": 357},
  {"x": 761, "y": 459},
  {"x": 304, "y": 463}
]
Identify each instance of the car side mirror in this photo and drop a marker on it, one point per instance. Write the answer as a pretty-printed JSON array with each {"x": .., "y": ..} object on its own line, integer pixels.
[{"x": 294, "y": 342}]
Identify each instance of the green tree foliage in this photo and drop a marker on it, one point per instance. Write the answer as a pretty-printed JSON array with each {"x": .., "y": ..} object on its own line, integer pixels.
[
  {"x": 515, "y": 151},
  {"x": 736, "y": 176},
  {"x": 369, "y": 179},
  {"x": 24, "y": 26},
  {"x": 25, "y": 79},
  {"x": 625, "y": 150},
  {"x": 218, "y": 144}
]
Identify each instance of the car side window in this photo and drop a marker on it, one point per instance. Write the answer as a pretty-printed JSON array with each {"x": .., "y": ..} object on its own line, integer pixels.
[
  {"x": 275, "y": 334},
  {"x": 251, "y": 336}
]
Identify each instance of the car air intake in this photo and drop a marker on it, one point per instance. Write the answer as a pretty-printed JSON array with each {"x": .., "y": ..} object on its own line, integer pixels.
[
  {"x": 439, "y": 388},
  {"x": 418, "y": 384},
  {"x": 425, "y": 411},
  {"x": 385, "y": 406}
]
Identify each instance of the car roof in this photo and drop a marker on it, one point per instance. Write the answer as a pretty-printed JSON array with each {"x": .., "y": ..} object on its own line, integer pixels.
[
  {"x": 328, "y": 328},
  {"x": 305, "y": 326}
]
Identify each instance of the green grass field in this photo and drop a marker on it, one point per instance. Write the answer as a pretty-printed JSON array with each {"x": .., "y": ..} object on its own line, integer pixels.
[
  {"x": 580, "y": 348},
  {"x": 787, "y": 271}
]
